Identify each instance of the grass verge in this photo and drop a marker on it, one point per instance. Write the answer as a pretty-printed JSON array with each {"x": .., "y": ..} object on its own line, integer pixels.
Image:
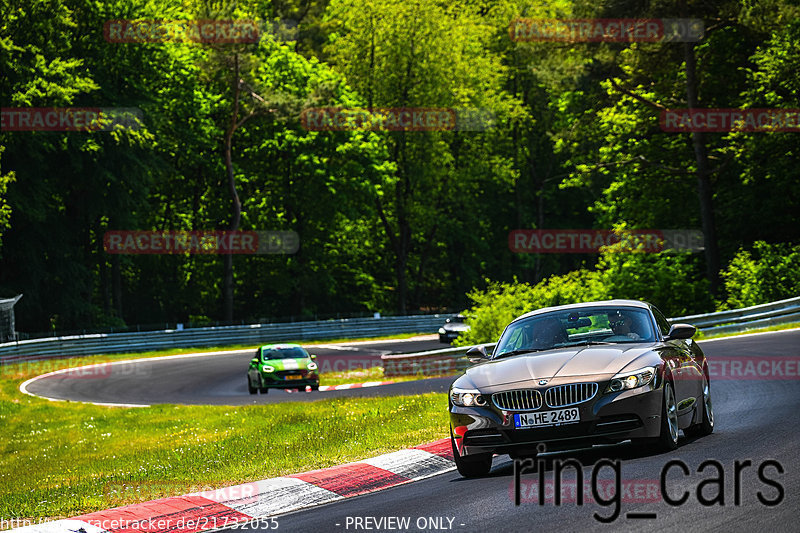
[
  {"x": 780, "y": 327},
  {"x": 61, "y": 459},
  {"x": 368, "y": 374}
]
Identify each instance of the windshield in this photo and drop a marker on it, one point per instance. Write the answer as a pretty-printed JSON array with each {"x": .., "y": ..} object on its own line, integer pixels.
[
  {"x": 283, "y": 353},
  {"x": 575, "y": 327}
]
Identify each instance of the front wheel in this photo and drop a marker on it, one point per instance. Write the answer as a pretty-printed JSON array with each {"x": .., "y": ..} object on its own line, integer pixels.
[
  {"x": 471, "y": 466},
  {"x": 250, "y": 388},
  {"x": 667, "y": 439},
  {"x": 706, "y": 424}
]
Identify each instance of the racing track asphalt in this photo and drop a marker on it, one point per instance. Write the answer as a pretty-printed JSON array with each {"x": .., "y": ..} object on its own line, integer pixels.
[
  {"x": 756, "y": 420},
  {"x": 221, "y": 379}
]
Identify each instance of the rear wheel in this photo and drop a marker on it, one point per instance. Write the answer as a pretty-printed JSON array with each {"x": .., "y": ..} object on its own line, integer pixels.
[
  {"x": 264, "y": 390},
  {"x": 473, "y": 465},
  {"x": 706, "y": 424}
]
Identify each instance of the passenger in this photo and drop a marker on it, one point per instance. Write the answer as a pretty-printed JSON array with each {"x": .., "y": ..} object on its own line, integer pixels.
[{"x": 547, "y": 333}]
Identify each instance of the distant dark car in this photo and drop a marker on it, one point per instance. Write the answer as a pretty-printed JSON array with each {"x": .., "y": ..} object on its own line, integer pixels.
[
  {"x": 452, "y": 328},
  {"x": 578, "y": 375}
]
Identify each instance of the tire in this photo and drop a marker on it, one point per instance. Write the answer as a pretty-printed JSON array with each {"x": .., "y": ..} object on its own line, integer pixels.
[
  {"x": 314, "y": 387},
  {"x": 473, "y": 466},
  {"x": 667, "y": 439},
  {"x": 706, "y": 424},
  {"x": 250, "y": 388},
  {"x": 264, "y": 390}
]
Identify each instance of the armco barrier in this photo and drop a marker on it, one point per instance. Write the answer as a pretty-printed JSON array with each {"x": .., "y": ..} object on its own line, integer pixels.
[
  {"x": 253, "y": 335},
  {"x": 452, "y": 360}
]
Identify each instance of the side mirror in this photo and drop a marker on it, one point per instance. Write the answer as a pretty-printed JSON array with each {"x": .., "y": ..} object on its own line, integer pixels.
[
  {"x": 313, "y": 356},
  {"x": 254, "y": 360},
  {"x": 477, "y": 354},
  {"x": 680, "y": 331}
]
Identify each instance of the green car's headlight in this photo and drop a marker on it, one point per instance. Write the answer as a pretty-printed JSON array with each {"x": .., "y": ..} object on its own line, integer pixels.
[
  {"x": 312, "y": 366},
  {"x": 466, "y": 397},
  {"x": 631, "y": 380},
  {"x": 267, "y": 368}
]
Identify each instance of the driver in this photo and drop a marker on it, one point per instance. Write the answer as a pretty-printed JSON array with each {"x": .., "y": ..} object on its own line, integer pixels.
[
  {"x": 621, "y": 324},
  {"x": 548, "y": 333}
]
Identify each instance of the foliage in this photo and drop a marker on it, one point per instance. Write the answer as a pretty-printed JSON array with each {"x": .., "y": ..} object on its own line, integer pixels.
[
  {"x": 494, "y": 307},
  {"x": 766, "y": 273},
  {"x": 669, "y": 281},
  {"x": 388, "y": 221}
]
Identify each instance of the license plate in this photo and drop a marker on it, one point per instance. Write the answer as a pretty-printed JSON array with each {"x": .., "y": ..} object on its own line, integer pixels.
[
  {"x": 547, "y": 418},
  {"x": 293, "y": 376}
]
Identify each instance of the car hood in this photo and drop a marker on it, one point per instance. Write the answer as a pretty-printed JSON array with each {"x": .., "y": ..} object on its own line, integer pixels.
[
  {"x": 565, "y": 362},
  {"x": 288, "y": 364}
]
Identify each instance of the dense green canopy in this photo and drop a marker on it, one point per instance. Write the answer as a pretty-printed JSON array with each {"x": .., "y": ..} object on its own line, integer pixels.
[{"x": 389, "y": 221}]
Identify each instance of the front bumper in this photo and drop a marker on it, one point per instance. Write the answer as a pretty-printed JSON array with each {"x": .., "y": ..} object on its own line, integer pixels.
[
  {"x": 285, "y": 380},
  {"x": 606, "y": 418}
]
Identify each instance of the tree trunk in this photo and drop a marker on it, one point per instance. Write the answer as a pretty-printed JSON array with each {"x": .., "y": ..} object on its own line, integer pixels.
[
  {"x": 704, "y": 188},
  {"x": 236, "y": 207},
  {"x": 116, "y": 284}
]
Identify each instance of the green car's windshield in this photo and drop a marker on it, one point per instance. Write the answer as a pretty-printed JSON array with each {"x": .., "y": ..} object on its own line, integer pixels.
[
  {"x": 574, "y": 327},
  {"x": 295, "y": 352}
]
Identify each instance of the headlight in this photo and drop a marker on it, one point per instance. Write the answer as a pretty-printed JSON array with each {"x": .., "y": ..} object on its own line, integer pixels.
[
  {"x": 632, "y": 380},
  {"x": 267, "y": 368},
  {"x": 312, "y": 366},
  {"x": 466, "y": 397},
  {"x": 442, "y": 331}
]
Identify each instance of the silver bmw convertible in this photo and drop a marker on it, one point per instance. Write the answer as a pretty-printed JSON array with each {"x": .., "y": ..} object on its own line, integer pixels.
[{"x": 577, "y": 375}]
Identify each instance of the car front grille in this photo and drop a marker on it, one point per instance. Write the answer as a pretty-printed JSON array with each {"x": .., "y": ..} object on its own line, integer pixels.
[
  {"x": 572, "y": 394},
  {"x": 518, "y": 400},
  {"x": 284, "y": 373}
]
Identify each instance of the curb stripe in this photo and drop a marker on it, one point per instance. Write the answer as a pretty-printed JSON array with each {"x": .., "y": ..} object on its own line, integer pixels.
[
  {"x": 277, "y": 495},
  {"x": 215, "y": 509},
  {"x": 352, "y": 479}
]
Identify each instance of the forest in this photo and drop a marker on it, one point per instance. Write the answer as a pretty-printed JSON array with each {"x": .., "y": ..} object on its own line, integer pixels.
[{"x": 238, "y": 126}]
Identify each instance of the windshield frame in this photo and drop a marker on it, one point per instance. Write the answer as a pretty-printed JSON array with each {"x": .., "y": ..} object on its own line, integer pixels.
[
  {"x": 264, "y": 353},
  {"x": 645, "y": 329}
]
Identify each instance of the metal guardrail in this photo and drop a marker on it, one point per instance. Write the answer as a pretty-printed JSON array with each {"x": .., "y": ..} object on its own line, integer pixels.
[
  {"x": 255, "y": 334},
  {"x": 452, "y": 360}
]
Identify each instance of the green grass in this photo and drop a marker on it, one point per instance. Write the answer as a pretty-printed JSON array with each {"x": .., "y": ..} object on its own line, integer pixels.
[
  {"x": 366, "y": 374},
  {"x": 780, "y": 327},
  {"x": 60, "y": 459}
]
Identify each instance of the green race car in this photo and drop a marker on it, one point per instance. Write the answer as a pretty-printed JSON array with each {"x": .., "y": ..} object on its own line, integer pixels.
[{"x": 282, "y": 366}]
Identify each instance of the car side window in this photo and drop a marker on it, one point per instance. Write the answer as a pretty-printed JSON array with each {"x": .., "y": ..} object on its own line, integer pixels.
[{"x": 663, "y": 323}]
